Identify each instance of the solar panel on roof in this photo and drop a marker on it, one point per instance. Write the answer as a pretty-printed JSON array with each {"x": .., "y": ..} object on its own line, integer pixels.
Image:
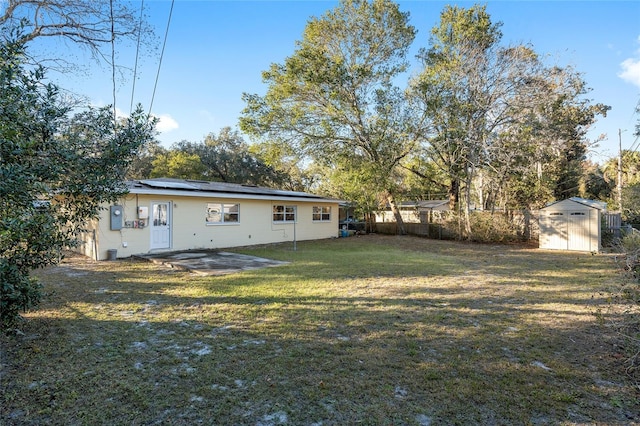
[{"x": 168, "y": 184}]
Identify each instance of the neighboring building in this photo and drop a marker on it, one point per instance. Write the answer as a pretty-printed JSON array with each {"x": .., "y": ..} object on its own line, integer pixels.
[
  {"x": 173, "y": 214},
  {"x": 414, "y": 211},
  {"x": 572, "y": 224}
]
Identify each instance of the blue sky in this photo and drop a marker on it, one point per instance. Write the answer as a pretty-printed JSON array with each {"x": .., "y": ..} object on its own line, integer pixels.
[{"x": 216, "y": 50}]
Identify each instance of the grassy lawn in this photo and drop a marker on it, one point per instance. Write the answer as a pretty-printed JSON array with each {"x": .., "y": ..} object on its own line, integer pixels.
[{"x": 375, "y": 330}]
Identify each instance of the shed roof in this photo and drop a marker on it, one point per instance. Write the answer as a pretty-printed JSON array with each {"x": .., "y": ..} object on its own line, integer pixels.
[
  {"x": 600, "y": 205},
  {"x": 199, "y": 188}
]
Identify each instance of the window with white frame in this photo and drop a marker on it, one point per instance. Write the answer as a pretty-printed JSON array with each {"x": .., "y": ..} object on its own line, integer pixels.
[
  {"x": 218, "y": 213},
  {"x": 321, "y": 213},
  {"x": 282, "y": 213}
]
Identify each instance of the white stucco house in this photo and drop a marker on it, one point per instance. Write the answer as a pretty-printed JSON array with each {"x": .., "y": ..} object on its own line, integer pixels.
[
  {"x": 174, "y": 214},
  {"x": 414, "y": 211}
]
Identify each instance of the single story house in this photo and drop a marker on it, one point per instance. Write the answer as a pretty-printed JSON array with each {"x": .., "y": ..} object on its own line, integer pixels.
[
  {"x": 174, "y": 214},
  {"x": 572, "y": 224},
  {"x": 414, "y": 211}
]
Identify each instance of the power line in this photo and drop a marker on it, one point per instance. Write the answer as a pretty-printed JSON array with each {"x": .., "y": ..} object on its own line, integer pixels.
[
  {"x": 113, "y": 62},
  {"x": 166, "y": 33},
  {"x": 635, "y": 147},
  {"x": 135, "y": 67}
]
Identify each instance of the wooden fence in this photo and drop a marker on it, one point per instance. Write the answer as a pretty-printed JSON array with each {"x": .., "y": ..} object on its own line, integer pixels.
[
  {"x": 446, "y": 226},
  {"x": 524, "y": 225}
]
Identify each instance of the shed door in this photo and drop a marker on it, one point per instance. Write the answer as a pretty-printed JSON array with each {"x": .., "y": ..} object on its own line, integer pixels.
[
  {"x": 554, "y": 229},
  {"x": 161, "y": 225},
  {"x": 579, "y": 231}
]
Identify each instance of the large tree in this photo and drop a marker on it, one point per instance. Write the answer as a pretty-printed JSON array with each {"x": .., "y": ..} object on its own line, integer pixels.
[
  {"x": 226, "y": 157},
  {"x": 335, "y": 98},
  {"x": 56, "y": 170},
  {"x": 177, "y": 164},
  {"x": 288, "y": 164},
  {"x": 500, "y": 117},
  {"x": 461, "y": 89}
]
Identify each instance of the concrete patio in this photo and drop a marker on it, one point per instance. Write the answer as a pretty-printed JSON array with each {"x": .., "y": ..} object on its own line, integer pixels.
[{"x": 209, "y": 262}]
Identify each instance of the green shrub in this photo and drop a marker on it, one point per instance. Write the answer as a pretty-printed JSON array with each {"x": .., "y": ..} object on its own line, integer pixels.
[{"x": 18, "y": 292}]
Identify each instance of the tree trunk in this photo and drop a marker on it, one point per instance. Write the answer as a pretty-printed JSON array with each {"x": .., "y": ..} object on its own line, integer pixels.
[
  {"x": 454, "y": 193},
  {"x": 526, "y": 233},
  {"x": 467, "y": 210},
  {"x": 396, "y": 214}
]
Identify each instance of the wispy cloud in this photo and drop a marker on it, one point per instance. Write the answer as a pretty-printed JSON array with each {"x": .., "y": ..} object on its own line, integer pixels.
[{"x": 631, "y": 69}]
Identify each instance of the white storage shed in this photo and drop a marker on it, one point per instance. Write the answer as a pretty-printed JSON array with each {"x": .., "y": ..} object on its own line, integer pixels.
[{"x": 572, "y": 224}]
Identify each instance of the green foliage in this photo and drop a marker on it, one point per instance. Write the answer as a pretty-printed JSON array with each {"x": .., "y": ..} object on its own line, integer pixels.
[
  {"x": 288, "y": 167},
  {"x": 594, "y": 184},
  {"x": 177, "y": 164},
  {"x": 482, "y": 122},
  {"x": 141, "y": 166},
  {"x": 334, "y": 99},
  {"x": 18, "y": 293},
  {"x": 356, "y": 186},
  {"x": 631, "y": 204},
  {"x": 55, "y": 172},
  {"x": 446, "y": 90},
  {"x": 502, "y": 121},
  {"x": 630, "y": 168},
  {"x": 225, "y": 157}
]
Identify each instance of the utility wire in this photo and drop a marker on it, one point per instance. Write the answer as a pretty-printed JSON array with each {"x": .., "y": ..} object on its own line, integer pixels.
[
  {"x": 135, "y": 67},
  {"x": 166, "y": 33},
  {"x": 113, "y": 63},
  {"x": 634, "y": 146}
]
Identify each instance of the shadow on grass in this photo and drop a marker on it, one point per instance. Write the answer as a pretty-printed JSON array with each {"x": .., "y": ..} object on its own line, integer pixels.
[{"x": 475, "y": 341}]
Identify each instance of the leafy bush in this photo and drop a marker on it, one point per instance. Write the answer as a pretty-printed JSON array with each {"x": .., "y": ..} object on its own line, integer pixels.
[
  {"x": 18, "y": 292},
  {"x": 56, "y": 171}
]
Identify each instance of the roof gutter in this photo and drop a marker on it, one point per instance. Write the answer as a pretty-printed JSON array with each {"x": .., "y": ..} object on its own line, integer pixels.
[{"x": 227, "y": 195}]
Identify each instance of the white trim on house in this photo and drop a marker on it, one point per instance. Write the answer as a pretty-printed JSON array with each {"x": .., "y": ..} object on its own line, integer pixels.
[{"x": 189, "y": 228}]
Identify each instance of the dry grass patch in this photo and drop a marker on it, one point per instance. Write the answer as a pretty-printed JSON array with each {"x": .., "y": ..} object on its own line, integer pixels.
[{"x": 374, "y": 330}]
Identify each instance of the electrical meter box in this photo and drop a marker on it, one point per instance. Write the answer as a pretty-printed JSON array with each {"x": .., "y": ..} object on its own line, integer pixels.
[
  {"x": 143, "y": 212},
  {"x": 116, "y": 217}
]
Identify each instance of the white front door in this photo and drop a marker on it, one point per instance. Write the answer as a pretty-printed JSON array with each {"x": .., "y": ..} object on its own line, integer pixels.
[{"x": 160, "y": 225}]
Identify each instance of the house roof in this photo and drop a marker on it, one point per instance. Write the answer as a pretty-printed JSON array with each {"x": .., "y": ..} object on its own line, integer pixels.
[
  {"x": 433, "y": 204},
  {"x": 425, "y": 204},
  {"x": 199, "y": 188}
]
